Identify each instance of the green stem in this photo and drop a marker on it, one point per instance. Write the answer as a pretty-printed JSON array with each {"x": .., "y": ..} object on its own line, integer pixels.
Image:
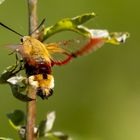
[
  {"x": 32, "y": 8},
  {"x": 31, "y": 105}
]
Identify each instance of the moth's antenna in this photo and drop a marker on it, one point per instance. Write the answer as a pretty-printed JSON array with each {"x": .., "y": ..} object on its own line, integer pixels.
[
  {"x": 42, "y": 22},
  {"x": 11, "y": 29}
]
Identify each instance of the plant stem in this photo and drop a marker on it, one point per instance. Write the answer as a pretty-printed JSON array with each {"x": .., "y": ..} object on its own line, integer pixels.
[
  {"x": 31, "y": 105},
  {"x": 32, "y": 6}
]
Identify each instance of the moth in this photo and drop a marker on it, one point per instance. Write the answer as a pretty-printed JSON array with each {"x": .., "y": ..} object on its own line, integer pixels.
[{"x": 39, "y": 57}]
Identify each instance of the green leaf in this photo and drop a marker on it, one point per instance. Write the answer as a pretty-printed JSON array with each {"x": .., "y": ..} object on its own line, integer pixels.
[
  {"x": 57, "y": 136},
  {"x": 50, "y": 121},
  {"x": 78, "y": 20},
  {"x": 10, "y": 71},
  {"x": 46, "y": 125},
  {"x": 75, "y": 25},
  {"x": 61, "y": 136},
  {"x": 68, "y": 24},
  {"x": 18, "y": 85},
  {"x": 118, "y": 37},
  {"x": 115, "y": 38},
  {"x": 3, "y": 138},
  {"x": 16, "y": 119},
  {"x": 1, "y": 1},
  {"x": 7, "y": 73}
]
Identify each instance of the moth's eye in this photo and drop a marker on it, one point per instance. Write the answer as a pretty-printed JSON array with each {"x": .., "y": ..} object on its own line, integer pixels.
[{"x": 21, "y": 39}]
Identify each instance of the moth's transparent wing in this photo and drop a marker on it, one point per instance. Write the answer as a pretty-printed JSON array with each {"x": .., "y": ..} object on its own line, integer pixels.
[
  {"x": 62, "y": 52},
  {"x": 13, "y": 47}
]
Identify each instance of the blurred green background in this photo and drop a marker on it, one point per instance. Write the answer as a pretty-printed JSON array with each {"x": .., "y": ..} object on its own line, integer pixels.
[{"x": 96, "y": 97}]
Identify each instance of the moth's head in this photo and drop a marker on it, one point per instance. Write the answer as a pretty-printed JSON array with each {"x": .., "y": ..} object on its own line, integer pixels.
[{"x": 25, "y": 38}]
